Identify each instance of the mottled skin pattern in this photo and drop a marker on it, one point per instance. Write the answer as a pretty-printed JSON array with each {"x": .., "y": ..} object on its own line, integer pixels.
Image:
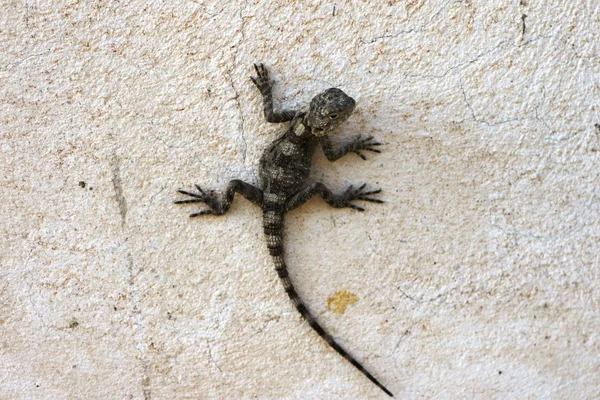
[{"x": 284, "y": 169}]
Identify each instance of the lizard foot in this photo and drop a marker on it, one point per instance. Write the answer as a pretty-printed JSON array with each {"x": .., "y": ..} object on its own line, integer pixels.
[
  {"x": 262, "y": 81},
  {"x": 352, "y": 194},
  {"x": 201, "y": 197},
  {"x": 364, "y": 143}
]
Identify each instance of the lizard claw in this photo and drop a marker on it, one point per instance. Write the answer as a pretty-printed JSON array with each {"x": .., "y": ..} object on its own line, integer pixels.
[
  {"x": 262, "y": 78},
  {"x": 359, "y": 194},
  {"x": 364, "y": 143},
  {"x": 200, "y": 197}
]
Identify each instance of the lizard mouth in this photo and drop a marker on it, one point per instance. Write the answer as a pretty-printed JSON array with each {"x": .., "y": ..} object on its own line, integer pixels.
[{"x": 318, "y": 131}]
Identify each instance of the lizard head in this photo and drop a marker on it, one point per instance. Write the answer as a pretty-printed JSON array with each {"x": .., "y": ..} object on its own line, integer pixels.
[{"x": 328, "y": 110}]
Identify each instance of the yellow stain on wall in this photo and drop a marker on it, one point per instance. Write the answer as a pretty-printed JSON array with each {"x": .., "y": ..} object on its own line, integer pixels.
[{"x": 339, "y": 301}]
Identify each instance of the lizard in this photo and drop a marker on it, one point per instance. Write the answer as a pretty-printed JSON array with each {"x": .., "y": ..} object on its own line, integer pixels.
[{"x": 284, "y": 169}]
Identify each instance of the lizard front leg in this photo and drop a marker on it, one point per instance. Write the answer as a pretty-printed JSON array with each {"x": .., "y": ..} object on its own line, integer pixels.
[
  {"x": 337, "y": 201},
  {"x": 219, "y": 206},
  {"x": 359, "y": 143},
  {"x": 265, "y": 86}
]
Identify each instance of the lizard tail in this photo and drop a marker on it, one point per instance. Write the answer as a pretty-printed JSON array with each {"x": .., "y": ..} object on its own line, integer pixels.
[{"x": 273, "y": 228}]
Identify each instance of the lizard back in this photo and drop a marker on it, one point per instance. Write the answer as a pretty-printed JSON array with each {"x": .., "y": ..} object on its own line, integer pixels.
[{"x": 285, "y": 165}]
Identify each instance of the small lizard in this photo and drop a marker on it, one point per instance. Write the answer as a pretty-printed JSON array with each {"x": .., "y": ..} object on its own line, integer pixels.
[{"x": 284, "y": 169}]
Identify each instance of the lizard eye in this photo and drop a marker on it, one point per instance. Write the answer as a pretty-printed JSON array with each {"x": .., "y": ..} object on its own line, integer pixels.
[{"x": 333, "y": 116}]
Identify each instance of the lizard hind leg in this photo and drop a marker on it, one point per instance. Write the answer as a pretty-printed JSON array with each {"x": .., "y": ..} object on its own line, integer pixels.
[{"x": 220, "y": 204}]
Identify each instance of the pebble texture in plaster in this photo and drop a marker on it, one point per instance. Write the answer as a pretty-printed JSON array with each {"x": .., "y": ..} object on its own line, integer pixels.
[{"x": 477, "y": 279}]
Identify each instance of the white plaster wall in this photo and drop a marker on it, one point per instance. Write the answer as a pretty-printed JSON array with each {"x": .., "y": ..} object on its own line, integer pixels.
[{"x": 478, "y": 278}]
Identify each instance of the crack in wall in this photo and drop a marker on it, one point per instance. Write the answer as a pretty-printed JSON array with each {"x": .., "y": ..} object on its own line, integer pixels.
[
  {"x": 137, "y": 320},
  {"x": 211, "y": 356},
  {"x": 242, "y": 119},
  {"x": 421, "y": 28},
  {"x": 118, "y": 187},
  {"x": 232, "y": 84},
  {"x": 461, "y": 64},
  {"x": 479, "y": 120}
]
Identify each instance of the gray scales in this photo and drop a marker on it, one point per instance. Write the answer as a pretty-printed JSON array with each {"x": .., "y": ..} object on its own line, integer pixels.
[{"x": 284, "y": 170}]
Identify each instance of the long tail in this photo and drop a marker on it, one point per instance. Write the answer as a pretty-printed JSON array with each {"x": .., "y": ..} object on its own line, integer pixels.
[{"x": 273, "y": 227}]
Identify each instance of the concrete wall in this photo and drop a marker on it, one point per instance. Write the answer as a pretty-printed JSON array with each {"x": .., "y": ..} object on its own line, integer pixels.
[{"x": 478, "y": 278}]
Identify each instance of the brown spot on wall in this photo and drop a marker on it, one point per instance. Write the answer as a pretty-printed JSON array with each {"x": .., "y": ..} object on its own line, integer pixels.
[{"x": 339, "y": 301}]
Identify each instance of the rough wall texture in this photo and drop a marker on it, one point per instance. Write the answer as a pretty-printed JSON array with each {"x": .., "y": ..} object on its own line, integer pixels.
[{"x": 478, "y": 278}]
